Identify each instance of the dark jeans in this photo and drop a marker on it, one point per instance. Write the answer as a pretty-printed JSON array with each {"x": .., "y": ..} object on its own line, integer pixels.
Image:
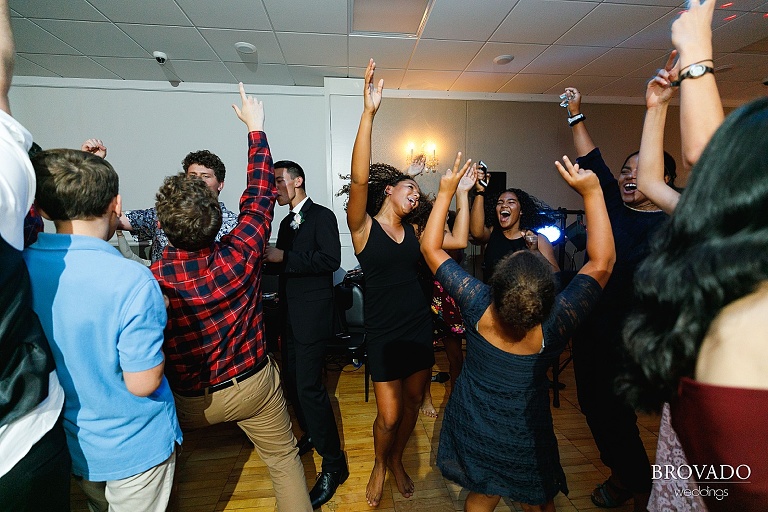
[
  {"x": 612, "y": 421},
  {"x": 41, "y": 480},
  {"x": 303, "y": 383}
]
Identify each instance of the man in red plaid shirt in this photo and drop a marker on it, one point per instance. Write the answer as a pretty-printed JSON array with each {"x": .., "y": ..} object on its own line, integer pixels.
[{"x": 217, "y": 362}]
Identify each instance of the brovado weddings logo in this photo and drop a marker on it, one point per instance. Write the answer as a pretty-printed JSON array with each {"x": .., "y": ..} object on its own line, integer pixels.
[{"x": 699, "y": 477}]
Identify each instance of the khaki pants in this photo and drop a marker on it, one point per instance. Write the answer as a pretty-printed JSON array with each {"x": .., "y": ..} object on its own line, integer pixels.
[
  {"x": 258, "y": 407},
  {"x": 148, "y": 491}
]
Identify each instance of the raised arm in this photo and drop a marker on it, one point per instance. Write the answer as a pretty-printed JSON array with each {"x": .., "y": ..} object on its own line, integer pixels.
[
  {"x": 650, "y": 165},
  {"x": 458, "y": 237},
  {"x": 701, "y": 111},
  {"x": 581, "y": 138},
  {"x": 432, "y": 237},
  {"x": 600, "y": 246},
  {"x": 358, "y": 220},
  {"x": 95, "y": 146},
  {"x": 6, "y": 56},
  {"x": 480, "y": 232}
]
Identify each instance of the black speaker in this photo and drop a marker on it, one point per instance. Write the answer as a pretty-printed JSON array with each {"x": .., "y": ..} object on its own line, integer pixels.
[{"x": 497, "y": 185}]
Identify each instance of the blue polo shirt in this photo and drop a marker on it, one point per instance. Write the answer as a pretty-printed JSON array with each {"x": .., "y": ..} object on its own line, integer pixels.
[{"x": 103, "y": 314}]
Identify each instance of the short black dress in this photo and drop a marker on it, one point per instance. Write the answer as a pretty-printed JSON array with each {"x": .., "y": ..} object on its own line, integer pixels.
[
  {"x": 398, "y": 320},
  {"x": 497, "y": 247},
  {"x": 497, "y": 436}
]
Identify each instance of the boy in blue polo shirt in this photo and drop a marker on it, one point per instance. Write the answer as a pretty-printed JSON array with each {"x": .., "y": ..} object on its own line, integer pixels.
[{"x": 104, "y": 318}]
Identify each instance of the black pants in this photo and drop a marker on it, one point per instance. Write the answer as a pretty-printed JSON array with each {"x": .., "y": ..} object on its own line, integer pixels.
[
  {"x": 41, "y": 480},
  {"x": 303, "y": 382},
  {"x": 596, "y": 363}
]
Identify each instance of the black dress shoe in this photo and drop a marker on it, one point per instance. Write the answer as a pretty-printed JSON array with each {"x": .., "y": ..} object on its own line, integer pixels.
[
  {"x": 326, "y": 485},
  {"x": 305, "y": 445}
]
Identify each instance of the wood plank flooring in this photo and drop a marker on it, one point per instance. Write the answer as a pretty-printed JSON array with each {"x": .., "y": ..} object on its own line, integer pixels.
[{"x": 217, "y": 469}]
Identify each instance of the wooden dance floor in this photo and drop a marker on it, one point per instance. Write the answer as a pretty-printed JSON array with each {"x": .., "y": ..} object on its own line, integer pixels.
[{"x": 217, "y": 469}]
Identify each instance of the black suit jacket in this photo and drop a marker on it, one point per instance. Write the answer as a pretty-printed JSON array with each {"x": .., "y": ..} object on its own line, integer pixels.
[{"x": 312, "y": 253}]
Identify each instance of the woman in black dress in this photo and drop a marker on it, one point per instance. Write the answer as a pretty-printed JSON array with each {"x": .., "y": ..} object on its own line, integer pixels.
[
  {"x": 510, "y": 229},
  {"x": 497, "y": 437},
  {"x": 397, "y": 317}
]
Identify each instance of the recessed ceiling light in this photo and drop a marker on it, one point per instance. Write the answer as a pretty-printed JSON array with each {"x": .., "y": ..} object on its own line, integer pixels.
[
  {"x": 245, "y": 47},
  {"x": 503, "y": 59}
]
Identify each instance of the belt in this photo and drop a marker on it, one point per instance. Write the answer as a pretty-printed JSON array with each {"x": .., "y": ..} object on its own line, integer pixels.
[{"x": 227, "y": 383}]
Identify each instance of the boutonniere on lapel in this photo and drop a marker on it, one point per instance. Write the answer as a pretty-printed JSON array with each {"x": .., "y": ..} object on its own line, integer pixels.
[{"x": 298, "y": 220}]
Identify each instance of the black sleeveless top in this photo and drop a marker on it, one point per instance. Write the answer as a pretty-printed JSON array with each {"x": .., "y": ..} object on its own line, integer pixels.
[{"x": 499, "y": 246}]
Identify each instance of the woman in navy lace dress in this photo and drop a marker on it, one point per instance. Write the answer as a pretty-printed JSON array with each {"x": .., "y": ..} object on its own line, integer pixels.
[{"x": 497, "y": 437}]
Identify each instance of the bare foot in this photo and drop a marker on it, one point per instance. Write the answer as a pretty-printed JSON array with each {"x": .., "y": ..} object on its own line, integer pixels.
[
  {"x": 375, "y": 486},
  {"x": 403, "y": 481},
  {"x": 427, "y": 408}
]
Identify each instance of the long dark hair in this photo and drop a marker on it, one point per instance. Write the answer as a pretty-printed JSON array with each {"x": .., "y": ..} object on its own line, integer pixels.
[
  {"x": 381, "y": 176},
  {"x": 713, "y": 251}
]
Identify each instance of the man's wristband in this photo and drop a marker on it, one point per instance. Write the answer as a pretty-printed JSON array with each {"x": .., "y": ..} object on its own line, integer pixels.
[
  {"x": 480, "y": 193},
  {"x": 573, "y": 121}
]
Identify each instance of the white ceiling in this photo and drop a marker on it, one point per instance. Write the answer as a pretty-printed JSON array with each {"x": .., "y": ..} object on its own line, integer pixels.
[{"x": 605, "y": 48}]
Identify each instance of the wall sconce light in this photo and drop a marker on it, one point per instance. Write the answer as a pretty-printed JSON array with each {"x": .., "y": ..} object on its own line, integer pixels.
[{"x": 428, "y": 151}]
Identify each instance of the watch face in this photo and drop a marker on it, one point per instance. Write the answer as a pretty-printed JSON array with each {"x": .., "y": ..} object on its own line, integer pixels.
[{"x": 697, "y": 70}]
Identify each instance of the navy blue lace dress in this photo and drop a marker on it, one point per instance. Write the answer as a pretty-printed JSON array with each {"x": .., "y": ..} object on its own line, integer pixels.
[{"x": 497, "y": 436}]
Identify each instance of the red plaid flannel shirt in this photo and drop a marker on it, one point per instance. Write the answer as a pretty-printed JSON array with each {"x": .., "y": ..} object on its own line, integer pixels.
[{"x": 214, "y": 329}]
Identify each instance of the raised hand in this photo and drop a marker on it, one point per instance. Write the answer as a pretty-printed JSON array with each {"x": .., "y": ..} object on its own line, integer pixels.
[
  {"x": 482, "y": 177},
  {"x": 574, "y": 100},
  {"x": 659, "y": 89},
  {"x": 251, "y": 113},
  {"x": 450, "y": 180},
  {"x": 692, "y": 31},
  {"x": 468, "y": 181},
  {"x": 372, "y": 94},
  {"x": 95, "y": 146},
  {"x": 417, "y": 166},
  {"x": 581, "y": 180}
]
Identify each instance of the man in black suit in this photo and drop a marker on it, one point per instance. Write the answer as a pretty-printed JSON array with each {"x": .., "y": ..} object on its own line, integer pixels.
[{"x": 308, "y": 251}]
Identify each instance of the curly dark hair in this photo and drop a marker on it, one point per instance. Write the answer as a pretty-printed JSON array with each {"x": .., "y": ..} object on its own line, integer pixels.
[
  {"x": 73, "y": 184},
  {"x": 529, "y": 208},
  {"x": 381, "y": 176},
  {"x": 710, "y": 253},
  {"x": 523, "y": 290},
  {"x": 188, "y": 211},
  {"x": 206, "y": 159}
]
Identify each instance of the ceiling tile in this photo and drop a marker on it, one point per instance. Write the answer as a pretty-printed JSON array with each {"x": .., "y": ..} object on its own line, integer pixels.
[
  {"x": 178, "y": 42},
  {"x": 429, "y": 80},
  {"x": 564, "y": 59},
  {"x": 540, "y": 21},
  {"x": 663, "y": 3},
  {"x": 223, "y": 43},
  {"x": 750, "y": 93},
  {"x": 627, "y": 87},
  {"x": 393, "y": 78},
  {"x": 69, "y": 10},
  {"x": 481, "y": 82},
  {"x": 25, "y": 67},
  {"x": 740, "y": 32},
  {"x": 375, "y": 16},
  {"x": 621, "y": 61},
  {"x": 149, "y": 12},
  {"x": 30, "y": 38},
  {"x": 531, "y": 84},
  {"x": 197, "y": 71},
  {"x": 326, "y": 17},
  {"x": 238, "y": 14},
  {"x": 389, "y": 52},
  {"x": 314, "y": 49},
  {"x": 444, "y": 55},
  {"x": 265, "y": 74},
  {"x": 314, "y": 76},
  {"x": 654, "y": 36},
  {"x": 745, "y": 67},
  {"x": 133, "y": 69},
  {"x": 72, "y": 66},
  {"x": 94, "y": 38},
  {"x": 610, "y": 24},
  {"x": 523, "y": 54},
  {"x": 459, "y": 19}
]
